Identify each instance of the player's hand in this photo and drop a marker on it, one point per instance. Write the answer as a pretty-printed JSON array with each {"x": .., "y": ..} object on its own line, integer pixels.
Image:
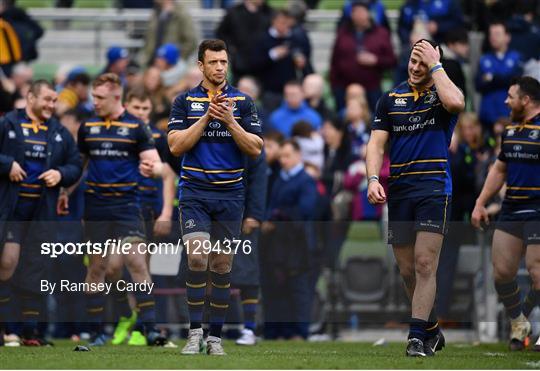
[
  {"x": 279, "y": 52},
  {"x": 146, "y": 168},
  {"x": 376, "y": 193},
  {"x": 162, "y": 226},
  {"x": 51, "y": 177},
  {"x": 249, "y": 225},
  {"x": 223, "y": 112},
  {"x": 62, "y": 204},
  {"x": 427, "y": 53},
  {"x": 479, "y": 215},
  {"x": 16, "y": 174},
  {"x": 267, "y": 227},
  {"x": 366, "y": 58}
]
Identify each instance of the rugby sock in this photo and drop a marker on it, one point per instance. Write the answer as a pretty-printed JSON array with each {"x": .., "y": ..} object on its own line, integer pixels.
[
  {"x": 432, "y": 326},
  {"x": 531, "y": 300},
  {"x": 510, "y": 296},
  {"x": 31, "y": 312},
  {"x": 146, "y": 306},
  {"x": 219, "y": 301},
  {"x": 95, "y": 308},
  {"x": 121, "y": 303},
  {"x": 250, "y": 298},
  {"x": 5, "y": 300},
  {"x": 417, "y": 329},
  {"x": 196, "y": 292}
]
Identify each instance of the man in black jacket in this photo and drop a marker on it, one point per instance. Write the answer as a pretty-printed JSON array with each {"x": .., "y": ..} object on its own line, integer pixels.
[{"x": 37, "y": 157}]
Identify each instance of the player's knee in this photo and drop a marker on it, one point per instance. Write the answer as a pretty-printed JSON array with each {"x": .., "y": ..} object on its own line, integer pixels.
[
  {"x": 424, "y": 267},
  {"x": 503, "y": 272},
  {"x": 137, "y": 267},
  {"x": 7, "y": 268},
  {"x": 198, "y": 262},
  {"x": 96, "y": 272},
  {"x": 407, "y": 274},
  {"x": 534, "y": 273},
  {"x": 220, "y": 267},
  {"x": 114, "y": 272}
]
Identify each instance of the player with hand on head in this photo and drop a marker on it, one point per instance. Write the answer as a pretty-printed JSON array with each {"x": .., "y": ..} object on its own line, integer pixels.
[
  {"x": 417, "y": 117},
  {"x": 215, "y": 127},
  {"x": 517, "y": 230}
]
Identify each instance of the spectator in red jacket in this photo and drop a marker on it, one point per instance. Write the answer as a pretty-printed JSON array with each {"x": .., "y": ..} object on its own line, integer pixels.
[{"x": 362, "y": 52}]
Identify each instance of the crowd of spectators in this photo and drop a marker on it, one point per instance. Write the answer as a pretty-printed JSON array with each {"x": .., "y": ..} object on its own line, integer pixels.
[{"x": 315, "y": 129}]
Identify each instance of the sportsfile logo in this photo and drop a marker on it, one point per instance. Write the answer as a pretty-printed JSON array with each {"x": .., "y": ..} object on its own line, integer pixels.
[
  {"x": 400, "y": 102},
  {"x": 197, "y": 106}
]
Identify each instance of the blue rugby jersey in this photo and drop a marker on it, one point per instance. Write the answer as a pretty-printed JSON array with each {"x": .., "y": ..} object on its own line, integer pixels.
[
  {"x": 113, "y": 149},
  {"x": 150, "y": 188},
  {"x": 420, "y": 133},
  {"x": 35, "y": 156},
  {"x": 214, "y": 167},
  {"x": 520, "y": 151}
]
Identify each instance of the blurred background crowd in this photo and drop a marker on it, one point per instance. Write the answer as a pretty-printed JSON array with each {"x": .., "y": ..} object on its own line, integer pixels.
[{"x": 325, "y": 107}]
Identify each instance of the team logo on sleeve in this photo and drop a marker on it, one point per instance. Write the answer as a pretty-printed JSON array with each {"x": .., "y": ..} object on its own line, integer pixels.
[
  {"x": 535, "y": 134},
  {"x": 430, "y": 98},
  {"x": 190, "y": 223}
]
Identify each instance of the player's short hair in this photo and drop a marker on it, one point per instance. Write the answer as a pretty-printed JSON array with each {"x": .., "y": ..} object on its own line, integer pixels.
[
  {"x": 499, "y": 23},
  {"x": 107, "y": 78},
  {"x": 293, "y": 143},
  {"x": 432, "y": 43},
  {"x": 293, "y": 83},
  {"x": 459, "y": 35},
  {"x": 283, "y": 13},
  {"x": 528, "y": 86},
  {"x": 139, "y": 93},
  {"x": 35, "y": 86},
  {"x": 215, "y": 45},
  {"x": 274, "y": 135}
]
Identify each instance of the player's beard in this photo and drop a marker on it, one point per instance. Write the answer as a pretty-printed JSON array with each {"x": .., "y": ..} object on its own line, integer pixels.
[
  {"x": 214, "y": 81},
  {"x": 516, "y": 115}
]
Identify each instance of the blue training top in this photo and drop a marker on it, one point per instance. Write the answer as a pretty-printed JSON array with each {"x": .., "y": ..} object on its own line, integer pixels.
[
  {"x": 420, "y": 133},
  {"x": 214, "y": 167},
  {"x": 113, "y": 149},
  {"x": 520, "y": 151}
]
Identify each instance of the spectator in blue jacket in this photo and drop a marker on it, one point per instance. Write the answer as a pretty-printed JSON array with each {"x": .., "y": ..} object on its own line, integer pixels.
[
  {"x": 293, "y": 109},
  {"x": 37, "y": 157},
  {"x": 496, "y": 70},
  {"x": 288, "y": 230},
  {"x": 376, "y": 9},
  {"x": 438, "y": 17}
]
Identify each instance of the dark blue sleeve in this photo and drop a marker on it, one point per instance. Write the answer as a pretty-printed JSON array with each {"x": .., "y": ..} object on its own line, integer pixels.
[
  {"x": 71, "y": 169},
  {"x": 178, "y": 116},
  {"x": 257, "y": 181},
  {"x": 81, "y": 136},
  {"x": 5, "y": 160},
  {"x": 250, "y": 118},
  {"x": 145, "y": 140},
  {"x": 381, "y": 120}
]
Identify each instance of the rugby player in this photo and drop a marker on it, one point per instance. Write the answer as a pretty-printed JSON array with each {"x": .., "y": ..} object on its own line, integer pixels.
[
  {"x": 37, "y": 157},
  {"x": 214, "y": 126},
  {"x": 113, "y": 142},
  {"x": 417, "y": 118},
  {"x": 517, "y": 231},
  {"x": 156, "y": 211}
]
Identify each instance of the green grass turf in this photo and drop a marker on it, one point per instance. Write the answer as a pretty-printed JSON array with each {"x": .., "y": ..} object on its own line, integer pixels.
[{"x": 269, "y": 355}]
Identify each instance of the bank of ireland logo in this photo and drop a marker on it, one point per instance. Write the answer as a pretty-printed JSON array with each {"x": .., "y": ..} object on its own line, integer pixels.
[
  {"x": 517, "y": 148},
  {"x": 415, "y": 119},
  {"x": 190, "y": 223},
  {"x": 535, "y": 134},
  {"x": 106, "y": 145},
  {"x": 197, "y": 106},
  {"x": 214, "y": 125}
]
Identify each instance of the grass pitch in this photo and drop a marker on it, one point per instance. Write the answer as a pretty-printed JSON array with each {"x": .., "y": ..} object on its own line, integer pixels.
[{"x": 269, "y": 355}]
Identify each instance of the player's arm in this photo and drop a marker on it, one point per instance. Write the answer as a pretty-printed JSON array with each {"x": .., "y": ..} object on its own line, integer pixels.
[
  {"x": 248, "y": 142},
  {"x": 494, "y": 182},
  {"x": 162, "y": 226},
  {"x": 374, "y": 160},
  {"x": 451, "y": 97}
]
